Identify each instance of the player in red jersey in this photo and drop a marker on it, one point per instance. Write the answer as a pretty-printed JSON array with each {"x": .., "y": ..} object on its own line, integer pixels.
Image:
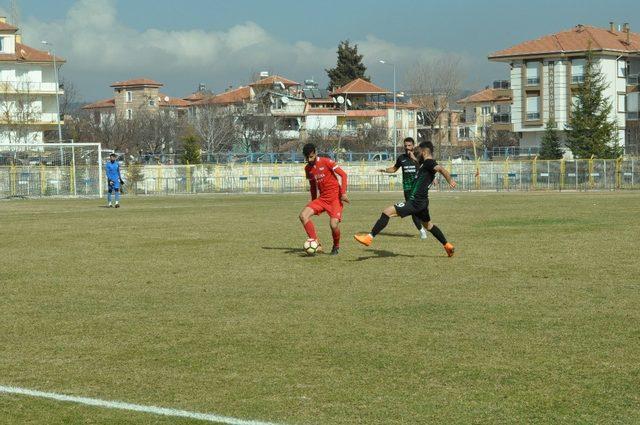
[{"x": 323, "y": 178}]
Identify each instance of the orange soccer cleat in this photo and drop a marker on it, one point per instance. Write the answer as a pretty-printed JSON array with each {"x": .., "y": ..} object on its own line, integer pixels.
[
  {"x": 450, "y": 249},
  {"x": 364, "y": 239}
]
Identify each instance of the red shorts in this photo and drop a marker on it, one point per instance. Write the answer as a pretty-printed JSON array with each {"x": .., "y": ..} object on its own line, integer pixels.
[{"x": 333, "y": 207}]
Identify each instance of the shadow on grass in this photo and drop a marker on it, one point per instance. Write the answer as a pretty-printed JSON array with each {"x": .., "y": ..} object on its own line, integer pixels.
[
  {"x": 288, "y": 250},
  {"x": 379, "y": 253},
  {"x": 398, "y": 235}
]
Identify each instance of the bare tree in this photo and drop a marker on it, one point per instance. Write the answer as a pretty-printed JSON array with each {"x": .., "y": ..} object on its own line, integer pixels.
[
  {"x": 215, "y": 126},
  {"x": 20, "y": 111},
  {"x": 434, "y": 85}
]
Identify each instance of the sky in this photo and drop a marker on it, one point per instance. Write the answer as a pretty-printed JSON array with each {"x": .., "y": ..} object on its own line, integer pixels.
[{"x": 222, "y": 43}]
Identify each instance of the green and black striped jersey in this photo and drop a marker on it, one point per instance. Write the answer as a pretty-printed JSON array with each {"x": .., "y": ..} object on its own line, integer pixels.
[
  {"x": 409, "y": 170},
  {"x": 425, "y": 176}
]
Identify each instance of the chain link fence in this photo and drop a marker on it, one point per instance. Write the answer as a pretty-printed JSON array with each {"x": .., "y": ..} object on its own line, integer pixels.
[{"x": 85, "y": 180}]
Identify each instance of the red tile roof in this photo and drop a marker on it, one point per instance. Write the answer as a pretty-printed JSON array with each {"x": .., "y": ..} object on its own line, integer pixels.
[
  {"x": 360, "y": 86},
  {"x": 578, "y": 39},
  {"x": 25, "y": 53},
  {"x": 174, "y": 102},
  {"x": 7, "y": 27},
  {"x": 239, "y": 95},
  {"x": 486, "y": 95},
  {"x": 270, "y": 81},
  {"x": 138, "y": 82},
  {"x": 106, "y": 103}
]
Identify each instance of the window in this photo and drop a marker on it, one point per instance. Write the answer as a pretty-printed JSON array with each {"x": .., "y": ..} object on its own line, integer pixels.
[
  {"x": 577, "y": 71},
  {"x": 129, "y": 97},
  {"x": 533, "y": 108},
  {"x": 463, "y": 132},
  {"x": 486, "y": 110},
  {"x": 2, "y": 43},
  {"x": 410, "y": 115},
  {"x": 129, "y": 114},
  {"x": 533, "y": 78},
  {"x": 622, "y": 68},
  {"x": 152, "y": 103},
  {"x": 622, "y": 102},
  {"x": 398, "y": 115},
  {"x": 351, "y": 124},
  {"x": 575, "y": 102}
]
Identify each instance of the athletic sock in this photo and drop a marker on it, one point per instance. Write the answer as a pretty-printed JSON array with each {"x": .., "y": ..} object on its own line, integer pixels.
[
  {"x": 336, "y": 237},
  {"x": 310, "y": 229},
  {"x": 417, "y": 222},
  {"x": 117, "y": 197},
  {"x": 435, "y": 231},
  {"x": 109, "y": 197},
  {"x": 380, "y": 224}
]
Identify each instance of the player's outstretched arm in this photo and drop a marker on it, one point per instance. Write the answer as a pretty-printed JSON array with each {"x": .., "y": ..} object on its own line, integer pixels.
[
  {"x": 440, "y": 169},
  {"x": 389, "y": 170}
]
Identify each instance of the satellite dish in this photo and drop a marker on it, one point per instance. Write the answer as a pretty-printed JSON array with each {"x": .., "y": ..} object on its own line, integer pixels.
[
  {"x": 334, "y": 100},
  {"x": 340, "y": 100},
  {"x": 284, "y": 100},
  {"x": 281, "y": 84},
  {"x": 166, "y": 98},
  {"x": 348, "y": 102}
]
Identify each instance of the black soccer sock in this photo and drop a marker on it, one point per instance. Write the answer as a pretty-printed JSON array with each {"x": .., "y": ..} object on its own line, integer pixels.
[
  {"x": 380, "y": 224},
  {"x": 417, "y": 222},
  {"x": 438, "y": 235}
]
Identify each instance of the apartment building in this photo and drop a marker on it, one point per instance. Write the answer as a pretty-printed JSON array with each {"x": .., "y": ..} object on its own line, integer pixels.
[
  {"x": 545, "y": 73},
  {"x": 488, "y": 109},
  {"x": 28, "y": 88},
  {"x": 133, "y": 97}
]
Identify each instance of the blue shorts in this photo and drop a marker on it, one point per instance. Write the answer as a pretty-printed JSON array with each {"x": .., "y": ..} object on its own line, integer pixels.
[{"x": 114, "y": 186}]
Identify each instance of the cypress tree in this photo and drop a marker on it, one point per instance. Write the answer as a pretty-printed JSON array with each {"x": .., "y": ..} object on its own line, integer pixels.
[
  {"x": 550, "y": 147},
  {"x": 348, "y": 67}
]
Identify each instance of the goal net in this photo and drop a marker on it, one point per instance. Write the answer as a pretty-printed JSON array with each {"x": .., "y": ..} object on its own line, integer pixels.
[{"x": 50, "y": 169}]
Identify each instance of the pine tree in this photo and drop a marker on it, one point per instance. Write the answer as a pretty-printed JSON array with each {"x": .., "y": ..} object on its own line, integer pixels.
[
  {"x": 191, "y": 153},
  {"x": 550, "y": 146},
  {"x": 591, "y": 130},
  {"x": 348, "y": 67}
]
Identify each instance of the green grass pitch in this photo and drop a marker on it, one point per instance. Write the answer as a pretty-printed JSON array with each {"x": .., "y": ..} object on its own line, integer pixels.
[{"x": 208, "y": 304}]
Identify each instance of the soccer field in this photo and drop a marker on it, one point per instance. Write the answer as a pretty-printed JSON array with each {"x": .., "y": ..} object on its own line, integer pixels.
[{"x": 207, "y": 304}]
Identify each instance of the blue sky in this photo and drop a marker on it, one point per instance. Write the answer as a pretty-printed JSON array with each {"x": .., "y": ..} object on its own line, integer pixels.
[{"x": 222, "y": 43}]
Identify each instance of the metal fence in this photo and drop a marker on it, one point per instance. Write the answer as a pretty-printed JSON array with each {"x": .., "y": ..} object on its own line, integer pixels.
[{"x": 581, "y": 175}]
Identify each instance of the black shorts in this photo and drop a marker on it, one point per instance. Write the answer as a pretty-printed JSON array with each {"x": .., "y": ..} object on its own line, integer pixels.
[{"x": 419, "y": 209}]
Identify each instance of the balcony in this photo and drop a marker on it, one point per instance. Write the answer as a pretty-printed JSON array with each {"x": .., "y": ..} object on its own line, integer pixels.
[
  {"x": 533, "y": 81},
  {"x": 633, "y": 80},
  {"x": 533, "y": 116},
  {"x": 633, "y": 116},
  {"x": 25, "y": 87},
  {"x": 502, "y": 122}
]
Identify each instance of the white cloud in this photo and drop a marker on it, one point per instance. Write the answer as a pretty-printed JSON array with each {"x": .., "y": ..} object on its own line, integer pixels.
[{"x": 100, "y": 49}]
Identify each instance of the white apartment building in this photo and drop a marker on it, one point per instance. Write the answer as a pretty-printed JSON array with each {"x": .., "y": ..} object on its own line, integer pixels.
[
  {"x": 546, "y": 72},
  {"x": 27, "y": 89}
]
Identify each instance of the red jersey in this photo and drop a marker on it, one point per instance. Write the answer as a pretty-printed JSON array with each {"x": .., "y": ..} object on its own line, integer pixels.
[{"x": 323, "y": 176}]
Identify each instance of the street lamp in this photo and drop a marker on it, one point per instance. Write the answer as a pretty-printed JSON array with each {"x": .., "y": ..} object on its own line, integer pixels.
[
  {"x": 52, "y": 52},
  {"x": 395, "y": 130}
]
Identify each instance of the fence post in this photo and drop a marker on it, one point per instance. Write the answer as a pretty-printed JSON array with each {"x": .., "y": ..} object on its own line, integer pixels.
[
  {"x": 591, "y": 182},
  {"x": 72, "y": 180},
  {"x": 505, "y": 177},
  {"x": 13, "y": 173},
  {"x": 562, "y": 173},
  {"x": 478, "y": 182},
  {"x": 187, "y": 175},
  {"x": 618, "y": 173},
  {"x": 534, "y": 172},
  {"x": 43, "y": 180}
]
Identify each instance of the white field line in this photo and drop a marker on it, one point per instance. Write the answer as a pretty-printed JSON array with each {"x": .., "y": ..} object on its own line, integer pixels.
[{"x": 131, "y": 407}]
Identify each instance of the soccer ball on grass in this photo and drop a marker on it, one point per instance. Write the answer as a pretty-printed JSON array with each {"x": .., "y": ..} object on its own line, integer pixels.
[{"x": 310, "y": 246}]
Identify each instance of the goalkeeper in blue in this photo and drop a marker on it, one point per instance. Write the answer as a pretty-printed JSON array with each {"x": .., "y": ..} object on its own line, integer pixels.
[{"x": 114, "y": 179}]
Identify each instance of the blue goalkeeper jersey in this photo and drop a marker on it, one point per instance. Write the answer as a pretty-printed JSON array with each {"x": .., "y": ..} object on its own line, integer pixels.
[{"x": 113, "y": 171}]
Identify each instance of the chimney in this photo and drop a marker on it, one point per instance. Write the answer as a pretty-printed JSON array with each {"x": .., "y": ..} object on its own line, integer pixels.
[
  {"x": 3, "y": 19},
  {"x": 19, "y": 38},
  {"x": 612, "y": 26},
  {"x": 625, "y": 27}
]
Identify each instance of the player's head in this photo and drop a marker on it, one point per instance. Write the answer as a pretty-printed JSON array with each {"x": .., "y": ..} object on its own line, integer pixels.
[
  {"x": 309, "y": 152},
  {"x": 409, "y": 144},
  {"x": 112, "y": 157},
  {"x": 424, "y": 150}
]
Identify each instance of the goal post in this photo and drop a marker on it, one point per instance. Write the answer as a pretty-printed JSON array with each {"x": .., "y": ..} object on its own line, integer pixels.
[{"x": 51, "y": 169}]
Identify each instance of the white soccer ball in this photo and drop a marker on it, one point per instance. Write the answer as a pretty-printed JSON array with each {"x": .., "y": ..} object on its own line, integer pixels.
[{"x": 310, "y": 246}]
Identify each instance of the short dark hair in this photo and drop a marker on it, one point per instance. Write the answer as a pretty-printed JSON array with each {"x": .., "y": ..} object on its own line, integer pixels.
[
  {"x": 113, "y": 154},
  {"x": 409, "y": 139},
  {"x": 426, "y": 145},
  {"x": 308, "y": 149}
]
